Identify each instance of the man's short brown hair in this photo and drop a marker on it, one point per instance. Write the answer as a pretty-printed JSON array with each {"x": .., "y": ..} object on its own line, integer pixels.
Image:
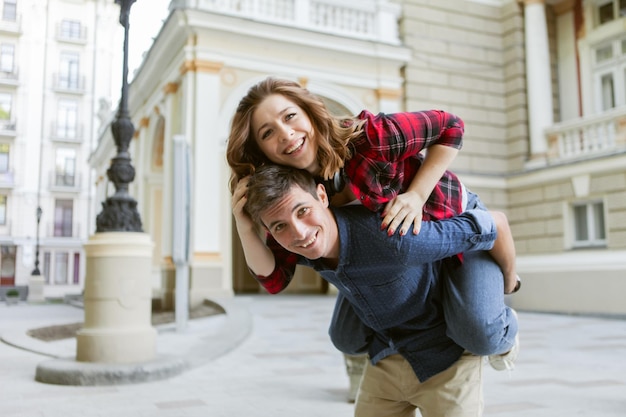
[{"x": 270, "y": 184}]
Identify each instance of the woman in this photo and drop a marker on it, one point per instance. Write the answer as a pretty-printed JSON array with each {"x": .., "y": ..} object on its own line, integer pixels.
[{"x": 375, "y": 160}]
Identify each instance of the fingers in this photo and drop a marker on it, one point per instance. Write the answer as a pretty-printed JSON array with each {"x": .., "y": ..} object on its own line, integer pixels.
[
  {"x": 402, "y": 221},
  {"x": 238, "y": 200},
  {"x": 401, "y": 213}
]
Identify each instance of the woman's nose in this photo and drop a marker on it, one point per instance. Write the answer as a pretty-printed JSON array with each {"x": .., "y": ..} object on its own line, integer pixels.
[{"x": 286, "y": 132}]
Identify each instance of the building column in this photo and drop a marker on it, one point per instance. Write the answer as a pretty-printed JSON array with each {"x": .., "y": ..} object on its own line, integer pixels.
[
  {"x": 170, "y": 110},
  {"x": 538, "y": 76},
  {"x": 202, "y": 105}
]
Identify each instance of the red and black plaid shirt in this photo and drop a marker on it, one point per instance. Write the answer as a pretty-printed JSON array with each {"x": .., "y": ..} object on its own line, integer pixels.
[{"x": 384, "y": 161}]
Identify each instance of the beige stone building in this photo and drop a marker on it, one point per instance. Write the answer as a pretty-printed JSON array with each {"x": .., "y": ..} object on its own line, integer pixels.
[{"x": 541, "y": 86}]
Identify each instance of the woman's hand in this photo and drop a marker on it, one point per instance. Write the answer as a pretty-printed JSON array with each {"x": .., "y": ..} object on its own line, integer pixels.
[
  {"x": 404, "y": 210},
  {"x": 238, "y": 201}
]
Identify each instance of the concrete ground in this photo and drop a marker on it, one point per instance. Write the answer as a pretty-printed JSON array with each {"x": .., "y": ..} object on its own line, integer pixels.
[{"x": 270, "y": 356}]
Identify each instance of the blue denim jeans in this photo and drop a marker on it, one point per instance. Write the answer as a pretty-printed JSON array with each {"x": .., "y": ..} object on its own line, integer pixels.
[{"x": 473, "y": 304}]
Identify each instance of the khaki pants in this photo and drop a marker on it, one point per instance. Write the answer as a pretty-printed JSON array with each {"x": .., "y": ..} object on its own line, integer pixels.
[{"x": 391, "y": 389}]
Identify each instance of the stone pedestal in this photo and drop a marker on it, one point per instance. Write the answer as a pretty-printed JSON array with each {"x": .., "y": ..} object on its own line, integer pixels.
[
  {"x": 118, "y": 300},
  {"x": 35, "y": 289}
]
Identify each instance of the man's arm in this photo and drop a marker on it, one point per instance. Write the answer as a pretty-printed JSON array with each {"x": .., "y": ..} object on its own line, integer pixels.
[{"x": 469, "y": 231}]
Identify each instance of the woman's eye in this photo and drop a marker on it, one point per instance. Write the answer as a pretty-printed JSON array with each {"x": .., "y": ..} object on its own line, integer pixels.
[
  {"x": 266, "y": 134},
  {"x": 278, "y": 228},
  {"x": 290, "y": 116}
]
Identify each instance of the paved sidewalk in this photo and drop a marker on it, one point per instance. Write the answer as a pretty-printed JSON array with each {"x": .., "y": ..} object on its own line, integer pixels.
[{"x": 272, "y": 358}]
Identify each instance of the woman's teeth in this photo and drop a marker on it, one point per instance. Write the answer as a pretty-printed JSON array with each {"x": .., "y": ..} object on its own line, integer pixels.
[{"x": 295, "y": 147}]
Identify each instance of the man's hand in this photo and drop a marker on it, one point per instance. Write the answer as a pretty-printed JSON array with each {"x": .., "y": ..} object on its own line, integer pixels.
[{"x": 404, "y": 210}]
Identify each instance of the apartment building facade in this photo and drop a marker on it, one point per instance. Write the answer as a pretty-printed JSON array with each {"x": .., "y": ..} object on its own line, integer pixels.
[
  {"x": 56, "y": 61},
  {"x": 541, "y": 86}
]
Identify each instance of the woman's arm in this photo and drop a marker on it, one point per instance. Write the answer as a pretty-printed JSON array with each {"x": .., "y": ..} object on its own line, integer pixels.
[
  {"x": 406, "y": 209},
  {"x": 273, "y": 267},
  {"x": 503, "y": 251}
]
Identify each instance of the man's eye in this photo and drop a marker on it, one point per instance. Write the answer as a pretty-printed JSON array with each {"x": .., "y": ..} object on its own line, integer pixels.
[
  {"x": 303, "y": 211},
  {"x": 279, "y": 227}
]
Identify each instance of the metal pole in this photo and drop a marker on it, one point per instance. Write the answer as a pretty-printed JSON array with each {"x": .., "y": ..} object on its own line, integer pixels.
[
  {"x": 36, "y": 270},
  {"x": 119, "y": 212}
]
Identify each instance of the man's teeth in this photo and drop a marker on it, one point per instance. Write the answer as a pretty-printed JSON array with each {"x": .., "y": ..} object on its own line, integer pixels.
[
  {"x": 296, "y": 146},
  {"x": 313, "y": 239}
]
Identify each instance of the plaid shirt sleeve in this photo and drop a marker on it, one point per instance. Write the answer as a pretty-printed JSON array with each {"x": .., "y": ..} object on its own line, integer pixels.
[
  {"x": 283, "y": 271},
  {"x": 387, "y": 157}
]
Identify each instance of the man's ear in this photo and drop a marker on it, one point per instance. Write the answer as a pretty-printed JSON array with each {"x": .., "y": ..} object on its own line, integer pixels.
[{"x": 321, "y": 195}]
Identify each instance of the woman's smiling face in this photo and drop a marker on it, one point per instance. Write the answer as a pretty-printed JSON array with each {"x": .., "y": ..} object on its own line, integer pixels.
[{"x": 284, "y": 133}]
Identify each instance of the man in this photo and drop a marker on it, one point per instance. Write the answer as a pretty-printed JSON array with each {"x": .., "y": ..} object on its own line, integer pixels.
[{"x": 392, "y": 284}]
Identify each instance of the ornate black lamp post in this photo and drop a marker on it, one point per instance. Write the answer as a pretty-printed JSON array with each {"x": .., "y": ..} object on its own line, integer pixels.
[
  {"x": 36, "y": 270},
  {"x": 119, "y": 212}
]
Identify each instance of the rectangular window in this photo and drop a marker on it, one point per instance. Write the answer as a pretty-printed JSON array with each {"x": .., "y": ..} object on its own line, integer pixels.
[
  {"x": 605, "y": 13},
  {"x": 61, "y": 267},
  {"x": 608, "y": 92},
  {"x": 589, "y": 227},
  {"x": 7, "y": 57},
  {"x": 46, "y": 267},
  {"x": 7, "y": 264},
  {"x": 4, "y": 158},
  {"x": 63, "y": 216},
  {"x": 67, "y": 116},
  {"x": 65, "y": 171},
  {"x": 68, "y": 73},
  {"x": 609, "y": 68},
  {"x": 5, "y": 106},
  {"x": 76, "y": 279},
  {"x": 70, "y": 29},
  {"x": 3, "y": 210},
  {"x": 604, "y": 54},
  {"x": 9, "y": 10}
]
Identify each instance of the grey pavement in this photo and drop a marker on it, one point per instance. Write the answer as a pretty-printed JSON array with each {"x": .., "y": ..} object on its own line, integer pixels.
[{"x": 271, "y": 356}]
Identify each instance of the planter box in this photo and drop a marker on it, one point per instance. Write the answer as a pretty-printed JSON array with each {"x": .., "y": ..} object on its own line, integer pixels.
[{"x": 22, "y": 291}]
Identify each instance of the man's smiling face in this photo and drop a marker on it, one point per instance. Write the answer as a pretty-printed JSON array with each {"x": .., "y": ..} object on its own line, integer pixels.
[{"x": 303, "y": 224}]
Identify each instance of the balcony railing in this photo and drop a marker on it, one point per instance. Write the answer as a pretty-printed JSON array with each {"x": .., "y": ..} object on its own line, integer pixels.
[
  {"x": 62, "y": 133},
  {"x": 588, "y": 136},
  {"x": 8, "y": 77},
  {"x": 7, "y": 179},
  {"x": 72, "y": 84},
  {"x": 72, "y": 35},
  {"x": 7, "y": 127},
  {"x": 10, "y": 24},
  {"x": 62, "y": 181},
  {"x": 5, "y": 228},
  {"x": 62, "y": 229},
  {"x": 367, "y": 19}
]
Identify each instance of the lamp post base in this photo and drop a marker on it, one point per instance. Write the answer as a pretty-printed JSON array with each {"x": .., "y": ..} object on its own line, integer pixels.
[{"x": 117, "y": 300}]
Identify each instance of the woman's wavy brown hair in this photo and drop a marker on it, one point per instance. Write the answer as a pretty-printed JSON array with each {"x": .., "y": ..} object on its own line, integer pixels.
[{"x": 333, "y": 134}]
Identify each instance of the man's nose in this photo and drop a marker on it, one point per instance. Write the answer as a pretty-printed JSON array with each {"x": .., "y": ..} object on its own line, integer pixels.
[{"x": 298, "y": 231}]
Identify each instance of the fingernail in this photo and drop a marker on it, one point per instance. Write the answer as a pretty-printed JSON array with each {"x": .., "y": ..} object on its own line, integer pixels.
[
  {"x": 390, "y": 232},
  {"x": 383, "y": 226}
]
